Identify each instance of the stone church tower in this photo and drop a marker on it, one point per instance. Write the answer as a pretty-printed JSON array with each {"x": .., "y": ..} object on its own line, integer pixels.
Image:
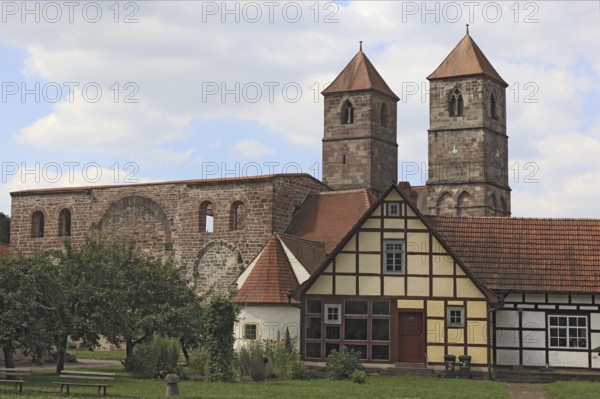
[
  {"x": 468, "y": 145},
  {"x": 359, "y": 143}
]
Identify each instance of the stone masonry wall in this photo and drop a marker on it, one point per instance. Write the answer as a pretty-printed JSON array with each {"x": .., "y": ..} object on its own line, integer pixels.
[{"x": 164, "y": 220}]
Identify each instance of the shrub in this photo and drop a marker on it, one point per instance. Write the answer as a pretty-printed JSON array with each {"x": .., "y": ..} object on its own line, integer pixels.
[
  {"x": 154, "y": 359},
  {"x": 251, "y": 361},
  {"x": 217, "y": 327},
  {"x": 359, "y": 376},
  {"x": 198, "y": 361},
  {"x": 285, "y": 361},
  {"x": 341, "y": 364}
]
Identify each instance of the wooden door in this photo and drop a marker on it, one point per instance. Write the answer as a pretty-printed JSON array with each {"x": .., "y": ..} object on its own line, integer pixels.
[{"x": 410, "y": 337}]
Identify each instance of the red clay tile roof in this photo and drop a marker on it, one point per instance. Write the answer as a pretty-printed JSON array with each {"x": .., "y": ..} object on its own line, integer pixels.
[
  {"x": 271, "y": 279},
  {"x": 4, "y": 249},
  {"x": 310, "y": 253},
  {"x": 327, "y": 217},
  {"x": 359, "y": 74},
  {"x": 159, "y": 183},
  {"x": 527, "y": 255},
  {"x": 466, "y": 59}
]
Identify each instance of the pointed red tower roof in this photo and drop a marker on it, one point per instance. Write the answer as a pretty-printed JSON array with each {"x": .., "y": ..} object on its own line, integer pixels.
[
  {"x": 271, "y": 278},
  {"x": 466, "y": 59},
  {"x": 359, "y": 74}
]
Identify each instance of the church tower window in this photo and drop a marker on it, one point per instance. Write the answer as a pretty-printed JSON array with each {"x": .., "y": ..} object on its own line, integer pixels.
[
  {"x": 384, "y": 115},
  {"x": 493, "y": 112},
  {"x": 456, "y": 104},
  {"x": 347, "y": 113}
]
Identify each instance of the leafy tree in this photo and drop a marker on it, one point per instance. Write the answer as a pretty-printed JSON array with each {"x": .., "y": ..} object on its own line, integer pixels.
[
  {"x": 154, "y": 297},
  {"x": 89, "y": 277},
  {"x": 30, "y": 290},
  {"x": 4, "y": 228}
]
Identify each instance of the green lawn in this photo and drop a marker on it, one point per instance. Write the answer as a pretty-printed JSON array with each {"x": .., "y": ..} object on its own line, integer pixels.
[
  {"x": 573, "y": 389},
  {"x": 40, "y": 386},
  {"x": 97, "y": 355}
]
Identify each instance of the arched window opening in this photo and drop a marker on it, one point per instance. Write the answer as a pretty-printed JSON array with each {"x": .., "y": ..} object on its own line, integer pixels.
[
  {"x": 206, "y": 224},
  {"x": 384, "y": 115},
  {"x": 237, "y": 215},
  {"x": 64, "y": 223},
  {"x": 37, "y": 224},
  {"x": 456, "y": 104},
  {"x": 347, "y": 113},
  {"x": 493, "y": 112}
]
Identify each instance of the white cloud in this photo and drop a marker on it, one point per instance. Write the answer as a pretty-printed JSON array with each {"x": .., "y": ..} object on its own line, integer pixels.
[
  {"x": 176, "y": 52},
  {"x": 252, "y": 148},
  {"x": 17, "y": 177}
]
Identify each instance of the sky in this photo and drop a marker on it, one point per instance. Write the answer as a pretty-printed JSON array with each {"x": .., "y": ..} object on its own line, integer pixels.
[{"x": 111, "y": 92}]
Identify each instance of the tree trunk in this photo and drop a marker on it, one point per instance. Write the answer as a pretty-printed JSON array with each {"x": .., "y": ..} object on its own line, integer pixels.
[
  {"x": 60, "y": 354},
  {"x": 128, "y": 348},
  {"x": 185, "y": 352},
  {"x": 9, "y": 357}
]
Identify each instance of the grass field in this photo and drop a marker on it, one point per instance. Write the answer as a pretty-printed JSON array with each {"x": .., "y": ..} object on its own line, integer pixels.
[
  {"x": 40, "y": 386},
  {"x": 97, "y": 355},
  {"x": 573, "y": 389}
]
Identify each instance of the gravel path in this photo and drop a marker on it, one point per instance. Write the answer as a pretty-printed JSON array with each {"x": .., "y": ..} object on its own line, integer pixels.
[{"x": 526, "y": 391}]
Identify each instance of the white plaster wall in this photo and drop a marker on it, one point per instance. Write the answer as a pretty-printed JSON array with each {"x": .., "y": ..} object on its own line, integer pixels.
[
  {"x": 581, "y": 298},
  {"x": 534, "y": 358},
  {"x": 537, "y": 298},
  {"x": 534, "y": 319},
  {"x": 595, "y": 321},
  {"x": 507, "y": 318},
  {"x": 271, "y": 320},
  {"x": 595, "y": 361},
  {"x": 507, "y": 338},
  {"x": 568, "y": 359},
  {"x": 595, "y": 340},
  {"x": 507, "y": 357},
  {"x": 534, "y": 339},
  {"x": 558, "y": 298}
]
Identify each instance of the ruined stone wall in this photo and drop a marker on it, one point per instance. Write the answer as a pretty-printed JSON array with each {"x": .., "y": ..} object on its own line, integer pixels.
[{"x": 164, "y": 219}]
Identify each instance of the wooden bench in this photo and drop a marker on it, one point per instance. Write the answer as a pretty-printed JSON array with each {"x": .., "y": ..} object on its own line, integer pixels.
[
  {"x": 84, "y": 379},
  {"x": 14, "y": 376}
]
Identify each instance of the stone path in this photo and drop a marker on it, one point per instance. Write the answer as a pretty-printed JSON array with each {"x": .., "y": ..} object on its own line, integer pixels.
[{"x": 526, "y": 391}]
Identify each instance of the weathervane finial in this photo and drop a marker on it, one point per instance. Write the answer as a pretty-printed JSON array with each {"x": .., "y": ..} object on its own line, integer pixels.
[
  {"x": 467, "y": 29},
  {"x": 360, "y": 45}
]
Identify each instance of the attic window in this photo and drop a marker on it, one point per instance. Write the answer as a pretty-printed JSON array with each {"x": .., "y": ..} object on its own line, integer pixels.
[
  {"x": 393, "y": 209},
  {"x": 347, "y": 113}
]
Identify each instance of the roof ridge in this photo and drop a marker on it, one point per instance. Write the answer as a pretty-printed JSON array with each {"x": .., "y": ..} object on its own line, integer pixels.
[
  {"x": 511, "y": 218},
  {"x": 300, "y": 238}
]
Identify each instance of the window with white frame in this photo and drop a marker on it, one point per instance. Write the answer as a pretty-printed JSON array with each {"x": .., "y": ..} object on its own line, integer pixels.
[
  {"x": 393, "y": 209},
  {"x": 333, "y": 314},
  {"x": 250, "y": 331},
  {"x": 568, "y": 331},
  {"x": 393, "y": 256},
  {"x": 455, "y": 316}
]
